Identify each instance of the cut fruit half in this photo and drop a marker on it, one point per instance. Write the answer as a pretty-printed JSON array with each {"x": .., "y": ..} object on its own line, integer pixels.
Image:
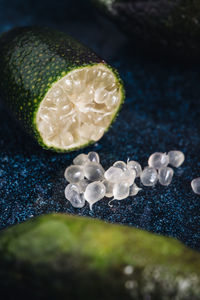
[
  {"x": 79, "y": 108},
  {"x": 60, "y": 91}
]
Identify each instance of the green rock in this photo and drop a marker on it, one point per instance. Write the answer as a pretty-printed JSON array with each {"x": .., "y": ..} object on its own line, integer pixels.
[
  {"x": 70, "y": 257},
  {"x": 164, "y": 25}
]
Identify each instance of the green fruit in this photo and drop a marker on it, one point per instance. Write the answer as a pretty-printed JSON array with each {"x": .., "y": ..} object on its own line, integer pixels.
[
  {"x": 60, "y": 91},
  {"x": 67, "y": 257},
  {"x": 164, "y": 25}
]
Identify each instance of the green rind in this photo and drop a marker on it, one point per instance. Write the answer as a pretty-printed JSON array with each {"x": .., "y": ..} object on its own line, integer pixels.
[
  {"x": 79, "y": 258},
  {"x": 32, "y": 59},
  {"x": 170, "y": 27},
  {"x": 122, "y": 91}
]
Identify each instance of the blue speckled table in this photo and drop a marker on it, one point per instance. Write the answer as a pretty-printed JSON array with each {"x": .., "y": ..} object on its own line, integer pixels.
[{"x": 161, "y": 113}]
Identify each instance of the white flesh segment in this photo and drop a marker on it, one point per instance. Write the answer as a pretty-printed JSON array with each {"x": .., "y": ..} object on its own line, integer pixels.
[{"x": 78, "y": 108}]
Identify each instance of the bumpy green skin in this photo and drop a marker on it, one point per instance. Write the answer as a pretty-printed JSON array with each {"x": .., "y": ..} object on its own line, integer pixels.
[
  {"x": 66, "y": 257},
  {"x": 162, "y": 25},
  {"x": 31, "y": 60}
]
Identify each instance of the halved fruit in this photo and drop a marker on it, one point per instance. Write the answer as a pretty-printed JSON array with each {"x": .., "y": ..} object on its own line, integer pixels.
[
  {"x": 62, "y": 93},
  {"x": 79, "y": 107}
]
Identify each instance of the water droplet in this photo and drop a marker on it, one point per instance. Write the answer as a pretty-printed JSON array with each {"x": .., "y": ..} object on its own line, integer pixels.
[
  {"x": 128, "y": 270},
  {"x": 109, "y": 188},
  {"x": 165, "y": 175},
  {"x": 196, "y": 185},
  {"x": 134, "y": 190},
  {"x": 93, "y": 156},
  {"x": 149, "y": 176},
  {"x": 176, "y": 158},
  {"x": 81, "y": 159},
  {"x": 94, "y": 192},
  {"x": 114, "y": 174},
  {"x": 83, "y": 184},
  {"x": 158, "y": 160},
  {"x": 70, "y": 188},
  {"x": 120, "y": 164},
  {"x": 134, "y": 165},
  {"x": 120, "y": 190},
  {"x": 93, "y": 171},
  {"x": 74, "y": 174},
  {"x": 72, "y": 193}
]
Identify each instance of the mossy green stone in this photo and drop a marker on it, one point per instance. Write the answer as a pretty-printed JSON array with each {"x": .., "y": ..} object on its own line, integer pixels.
[
  {"x": 70, "y": 257},
  {"x": 32, "y": 59},
  {"x": 169, "y": 26}
]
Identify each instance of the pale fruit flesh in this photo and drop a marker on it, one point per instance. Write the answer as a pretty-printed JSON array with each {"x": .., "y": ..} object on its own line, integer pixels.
[{"x": 79, "y": 107}]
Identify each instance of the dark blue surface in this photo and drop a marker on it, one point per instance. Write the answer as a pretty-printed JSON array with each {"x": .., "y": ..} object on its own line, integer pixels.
[{"x": 161, "y": 113}]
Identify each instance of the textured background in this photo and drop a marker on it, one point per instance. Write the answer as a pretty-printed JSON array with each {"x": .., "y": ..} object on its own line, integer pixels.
[{"x": 161, "y": 113}]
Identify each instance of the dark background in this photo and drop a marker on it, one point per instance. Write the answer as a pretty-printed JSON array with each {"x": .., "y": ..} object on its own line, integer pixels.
[{"x": 161, "y": 113}]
